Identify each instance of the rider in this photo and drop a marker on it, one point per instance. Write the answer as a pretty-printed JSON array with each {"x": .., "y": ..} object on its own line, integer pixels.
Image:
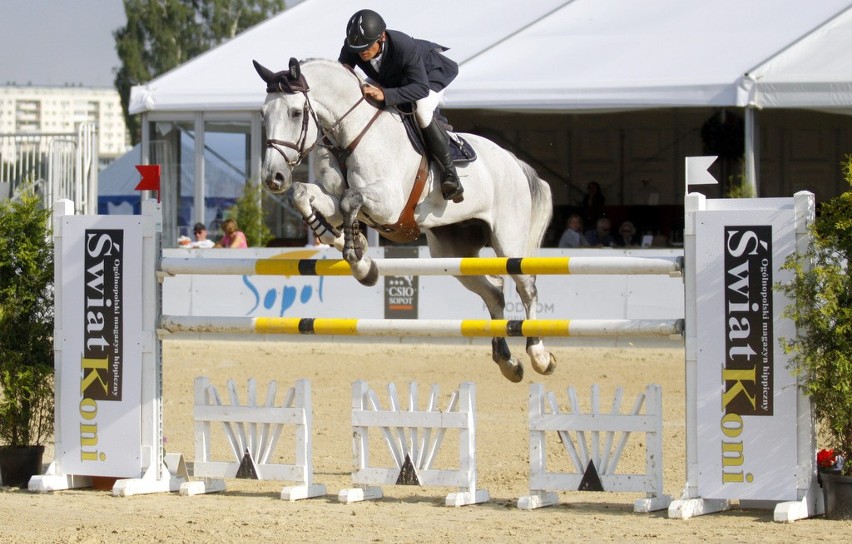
[{"x": 408, "y": 70}]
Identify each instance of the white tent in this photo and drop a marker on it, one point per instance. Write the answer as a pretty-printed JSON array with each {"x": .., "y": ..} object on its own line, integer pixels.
[
  {"x": 558, "y": 54},
  {"x": 224, "y": 78}
]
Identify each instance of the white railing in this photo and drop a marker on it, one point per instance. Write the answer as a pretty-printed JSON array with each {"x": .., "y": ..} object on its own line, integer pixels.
[{"x": 60, "y": 166}]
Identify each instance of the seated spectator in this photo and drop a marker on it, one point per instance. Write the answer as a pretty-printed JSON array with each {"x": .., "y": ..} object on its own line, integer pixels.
[
  {"x": 233, "y": 237},
  {"x": 626, "y": 236},
  {"x": 573, "y": 235},
  {"x": 201, "y": 240},
  {"x": 600, "y": 235}
]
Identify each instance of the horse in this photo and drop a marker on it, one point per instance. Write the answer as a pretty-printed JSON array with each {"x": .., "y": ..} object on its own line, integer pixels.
[{"x": 367, "y": 170}]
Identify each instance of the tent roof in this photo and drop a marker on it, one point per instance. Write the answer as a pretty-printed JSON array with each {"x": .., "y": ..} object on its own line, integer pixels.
[
  {"x": 560, "y": 54},
  {"x": 602, "y": 54},
  {"x": 224, "y": 78},
  {"x": 815, "y": 72}
]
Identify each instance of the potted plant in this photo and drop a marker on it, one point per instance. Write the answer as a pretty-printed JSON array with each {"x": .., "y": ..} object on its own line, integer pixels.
[
  {"x": 821, "y": 354},
  {"x": 26, "y": 337}
]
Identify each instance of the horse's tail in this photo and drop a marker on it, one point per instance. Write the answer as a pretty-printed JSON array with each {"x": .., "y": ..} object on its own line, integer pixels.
[{"x": 541, "y": 206}]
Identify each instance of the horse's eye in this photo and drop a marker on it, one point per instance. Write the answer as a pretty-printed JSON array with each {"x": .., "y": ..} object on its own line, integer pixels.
[{"x": 295, "y": 114}]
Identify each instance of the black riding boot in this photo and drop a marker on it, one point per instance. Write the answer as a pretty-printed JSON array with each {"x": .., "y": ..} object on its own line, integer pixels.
[{"x": 438, "y": 143}]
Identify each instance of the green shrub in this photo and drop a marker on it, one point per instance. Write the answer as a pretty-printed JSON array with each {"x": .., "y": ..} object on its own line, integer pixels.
[
  {"x": 26, "y": 322},
  {"x": 821, "y": 291}
]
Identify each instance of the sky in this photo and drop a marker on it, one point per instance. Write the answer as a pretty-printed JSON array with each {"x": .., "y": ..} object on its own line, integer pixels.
[{"x": 59, "y": 42}]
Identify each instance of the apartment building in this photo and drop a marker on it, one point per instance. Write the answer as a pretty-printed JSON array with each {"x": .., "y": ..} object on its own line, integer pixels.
[{"x": 57, "y": 110}]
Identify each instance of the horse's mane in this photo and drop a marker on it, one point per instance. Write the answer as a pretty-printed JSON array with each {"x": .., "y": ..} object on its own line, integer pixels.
[{"x": 328, "y": 62}]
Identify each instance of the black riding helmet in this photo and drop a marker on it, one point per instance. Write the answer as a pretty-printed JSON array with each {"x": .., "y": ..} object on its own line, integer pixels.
[{"x": 363, "y": 29}]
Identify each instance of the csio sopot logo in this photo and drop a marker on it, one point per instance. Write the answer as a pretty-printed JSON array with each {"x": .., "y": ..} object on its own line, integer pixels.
[
  {"x": 401, "y": 297},
  {"x": 401, "y": 292}
]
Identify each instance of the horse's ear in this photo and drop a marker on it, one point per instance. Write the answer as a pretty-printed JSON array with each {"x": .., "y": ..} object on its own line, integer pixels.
[
  {"x": 295, "y": 70},
  {"x": 265, "y": 74}
]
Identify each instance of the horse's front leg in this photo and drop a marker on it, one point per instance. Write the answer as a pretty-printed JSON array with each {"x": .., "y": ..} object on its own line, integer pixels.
[
  {"x": 355, "y": 244},
  {"x": 319, "y": 210}
]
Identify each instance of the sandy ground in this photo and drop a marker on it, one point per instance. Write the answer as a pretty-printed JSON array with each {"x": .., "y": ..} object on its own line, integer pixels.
[{"x": 251, "y": 510}]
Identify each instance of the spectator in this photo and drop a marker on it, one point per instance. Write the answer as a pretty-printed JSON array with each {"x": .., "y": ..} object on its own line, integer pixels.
[
  {"x": 232, "y": 238},
  {"x": 626, "y": 236},
  {"x": 600, "y": 235},
  {"x": 201, "y": 240},
  {"x": 593, "y": 203},
  {"x": 573, "y": 235}
]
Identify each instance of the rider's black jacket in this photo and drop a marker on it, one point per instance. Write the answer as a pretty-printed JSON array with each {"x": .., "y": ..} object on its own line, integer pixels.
[{"x": 409, "y": 67}]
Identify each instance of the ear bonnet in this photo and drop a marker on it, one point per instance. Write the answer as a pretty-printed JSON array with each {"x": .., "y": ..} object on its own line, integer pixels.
[{"x": 286, "y": 81}]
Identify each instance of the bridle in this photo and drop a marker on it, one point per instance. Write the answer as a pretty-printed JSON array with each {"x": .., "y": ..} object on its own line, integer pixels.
[{"x": 308, "y": 113}]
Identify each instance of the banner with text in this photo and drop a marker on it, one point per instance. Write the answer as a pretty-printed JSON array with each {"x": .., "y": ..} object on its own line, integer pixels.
[
  {"x": 746, "y": 394},
  {"x": 101, "y": 345}
]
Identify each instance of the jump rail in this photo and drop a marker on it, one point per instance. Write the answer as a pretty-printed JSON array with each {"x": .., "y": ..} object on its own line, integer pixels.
[
  {"x": 423, "y": 327},
  {"x": 672, "y": 266}
]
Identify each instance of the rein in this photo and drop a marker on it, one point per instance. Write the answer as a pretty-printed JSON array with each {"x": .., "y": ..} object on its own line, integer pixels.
[{"x": 299, "y": 145}]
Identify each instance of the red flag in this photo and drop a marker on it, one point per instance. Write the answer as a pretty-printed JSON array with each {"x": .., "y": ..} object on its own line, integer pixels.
[{"x": 150, "y": 177}]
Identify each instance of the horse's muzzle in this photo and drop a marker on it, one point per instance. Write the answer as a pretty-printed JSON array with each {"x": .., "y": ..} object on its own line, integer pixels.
[{"x": 275, "y": 183}]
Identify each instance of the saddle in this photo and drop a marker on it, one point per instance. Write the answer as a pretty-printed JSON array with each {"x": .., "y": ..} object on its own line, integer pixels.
[{"x": 460, "y": 150}]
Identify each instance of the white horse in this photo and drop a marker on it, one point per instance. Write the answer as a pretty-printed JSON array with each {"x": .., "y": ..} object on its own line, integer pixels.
[{"x": 366, "y": 171}]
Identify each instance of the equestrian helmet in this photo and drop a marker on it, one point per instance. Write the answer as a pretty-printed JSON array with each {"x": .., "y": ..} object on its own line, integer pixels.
[{"x": 363, "y": 30}]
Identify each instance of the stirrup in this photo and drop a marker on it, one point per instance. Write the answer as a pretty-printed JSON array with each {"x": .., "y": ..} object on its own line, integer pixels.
[{"x": 452, "y": 191}]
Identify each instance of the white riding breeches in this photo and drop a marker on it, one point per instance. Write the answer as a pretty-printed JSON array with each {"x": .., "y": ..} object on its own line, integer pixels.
[{"x": 426, "y": 107}]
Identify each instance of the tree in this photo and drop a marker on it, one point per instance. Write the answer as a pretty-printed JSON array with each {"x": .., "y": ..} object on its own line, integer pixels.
[
  {"x": 163, "y": 34},
  {"x": 248, "y": 213}
]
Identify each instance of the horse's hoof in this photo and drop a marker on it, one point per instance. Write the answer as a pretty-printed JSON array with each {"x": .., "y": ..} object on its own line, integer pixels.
[
  {"x": 513, "y": 373},
  {"x": 372, "y": 276},
  {"x": 364, "y": 270},
  {"x": 551, "y": 366}
]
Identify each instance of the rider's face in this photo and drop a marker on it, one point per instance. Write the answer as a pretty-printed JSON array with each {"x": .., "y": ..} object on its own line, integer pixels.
[{"x": 371, "y": 52}]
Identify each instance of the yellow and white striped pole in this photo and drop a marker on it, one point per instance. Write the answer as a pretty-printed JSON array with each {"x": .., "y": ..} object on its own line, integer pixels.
[
  {"x": 422, "y": 327},
  {"x": 469, "y": 266}
]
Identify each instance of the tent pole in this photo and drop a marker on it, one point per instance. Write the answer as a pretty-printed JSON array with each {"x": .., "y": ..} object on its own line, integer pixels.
[
  {"x": 145, "y": 151},
  {"x": 199, "y": 189},
  {"x": 752, "y": 149}
]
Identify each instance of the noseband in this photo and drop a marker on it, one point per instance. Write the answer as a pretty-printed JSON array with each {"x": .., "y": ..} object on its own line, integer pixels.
[{"x": 299, "y": 145}]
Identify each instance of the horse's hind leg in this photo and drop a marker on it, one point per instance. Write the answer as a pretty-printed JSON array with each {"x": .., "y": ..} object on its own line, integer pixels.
[
  {"x": 490, "y": 289},
  {"x": 542, "y": 360},
  {"x": 455, "y": 241}
]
